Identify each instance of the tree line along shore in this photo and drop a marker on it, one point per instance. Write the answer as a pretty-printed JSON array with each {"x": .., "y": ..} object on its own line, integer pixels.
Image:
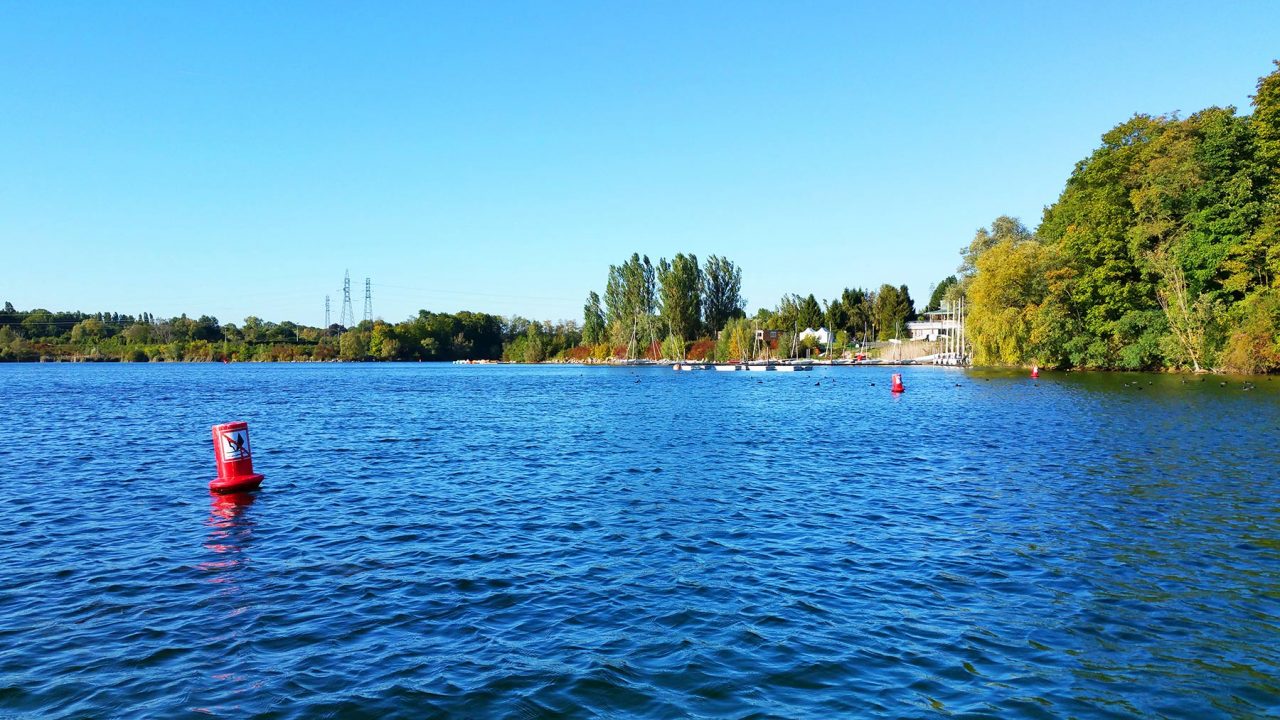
[
  {"x": 1161, "y": 253},
  {"x": 672, "y": 310}
]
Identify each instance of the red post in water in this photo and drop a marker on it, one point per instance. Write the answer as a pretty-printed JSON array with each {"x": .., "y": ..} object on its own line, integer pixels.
[
  {"x": 235, "y": 461},
  {"x": 897, "y": 383},
  {"x": 1035, "y": 371}
]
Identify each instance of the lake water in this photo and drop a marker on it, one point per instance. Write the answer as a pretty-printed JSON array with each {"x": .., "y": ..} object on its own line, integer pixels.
[{"x": 597, "y": 542}]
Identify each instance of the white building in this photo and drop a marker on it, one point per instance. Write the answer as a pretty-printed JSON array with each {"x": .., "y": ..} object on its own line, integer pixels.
[
  {"x": 821, "y": 335},
  {"x": 934, "y": 325}
]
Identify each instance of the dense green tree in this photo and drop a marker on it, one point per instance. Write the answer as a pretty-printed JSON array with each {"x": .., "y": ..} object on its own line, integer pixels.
[
  {"x": 528, "y": 347},
  {"x": 1002, "y": 229},
  {"x": 858, "y": 304},
  {"x": 809, "y": 313},
  {"x": 594, "y": 330},
  {"x": 892, "y": 309},
  {"x": 1005, "y": 292},
  {"x": 1090, "y": 226},
  {"x": 786, "y": 316},
  {"x": 383, "y": 342},
  {"x": 939, "y": 294},
  {"x": 9, "y": 315},
  {"x": 87, "y": 330},
  {"x": 722, "y": 293},
  {"x": 354, "y": 345},
  {"x": 39, "y": 323},
  {"x": 1266, "y": 126},
  {"x": 680, "y": 295},
  {"x": 837, "y": 315},
  {"x": 253, "y": 329},
  {"x": 1253, "y": 343},
  {"x": 631, "y": 303},
  {"x": 1253, "y": 265}
]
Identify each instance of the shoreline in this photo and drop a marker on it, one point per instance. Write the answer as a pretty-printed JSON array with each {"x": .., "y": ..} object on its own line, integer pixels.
[{"x": 633, "y": 364}]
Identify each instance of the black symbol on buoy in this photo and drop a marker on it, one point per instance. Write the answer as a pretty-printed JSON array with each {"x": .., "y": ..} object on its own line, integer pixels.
[{"x": 237, "y": 445}]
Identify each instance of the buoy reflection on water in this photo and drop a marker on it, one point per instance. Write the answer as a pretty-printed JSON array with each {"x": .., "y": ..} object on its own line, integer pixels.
[{"x": 229, "y": 532}]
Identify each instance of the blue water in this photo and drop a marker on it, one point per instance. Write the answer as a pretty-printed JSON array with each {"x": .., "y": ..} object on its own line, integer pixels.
[{"x": 589, "y": 542}]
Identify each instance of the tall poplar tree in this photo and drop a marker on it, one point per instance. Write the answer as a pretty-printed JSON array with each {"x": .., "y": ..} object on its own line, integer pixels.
[
  {"x": 594, "y": 330},
  {"x": 722, "y": 287},
  {"x": 680, "y": 296},
  {"x": 631, "y": 301}
]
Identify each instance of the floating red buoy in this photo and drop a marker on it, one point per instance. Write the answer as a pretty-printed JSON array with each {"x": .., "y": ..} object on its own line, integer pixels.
[
  {"x": 1035, "y": 371},
  {"x": 897, "y": 383},
  {"x": 235, "y": 461}
]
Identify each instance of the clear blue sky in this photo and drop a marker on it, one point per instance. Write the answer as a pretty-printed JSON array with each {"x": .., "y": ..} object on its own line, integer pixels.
[{"x": 236, "y": 158}]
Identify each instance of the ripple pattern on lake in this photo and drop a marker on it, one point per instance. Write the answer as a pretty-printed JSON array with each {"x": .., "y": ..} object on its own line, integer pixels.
[{"x": 586, "y": 542}]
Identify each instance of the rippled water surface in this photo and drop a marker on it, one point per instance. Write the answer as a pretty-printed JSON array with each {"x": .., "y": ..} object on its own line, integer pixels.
[{"x": 591, "y": 542}]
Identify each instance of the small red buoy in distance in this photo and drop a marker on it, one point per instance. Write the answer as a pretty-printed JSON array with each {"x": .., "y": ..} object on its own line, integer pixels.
[
  {"x": 1035, "y": 371},
  {"x": 897, "y": 383},
  {"x": 235, "y": 460}
]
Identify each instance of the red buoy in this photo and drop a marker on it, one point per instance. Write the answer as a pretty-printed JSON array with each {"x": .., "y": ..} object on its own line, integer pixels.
[
  {"x": 897, "y": 383},
  {"x": 1035, "y": 371},
  {"x": 235, "y": 461}
]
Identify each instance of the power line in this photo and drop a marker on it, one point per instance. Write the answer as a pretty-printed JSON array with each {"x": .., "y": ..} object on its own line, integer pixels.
[
  {"x": 348, "y": 315},
  {"x": 440, "y": 291},
  {"x": 326, "y": 311}
]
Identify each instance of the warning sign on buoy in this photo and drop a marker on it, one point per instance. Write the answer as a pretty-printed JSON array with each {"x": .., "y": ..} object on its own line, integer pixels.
[
  {"x": 235, "y": 466},
  {"x": 235, "y": 444}
]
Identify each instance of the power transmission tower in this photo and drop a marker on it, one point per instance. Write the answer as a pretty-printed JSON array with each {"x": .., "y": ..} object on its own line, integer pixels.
[
  {"x": 326, "y": 312},
  {"x": 368, "y": 300},
  {"x": 348, "y": 315}
]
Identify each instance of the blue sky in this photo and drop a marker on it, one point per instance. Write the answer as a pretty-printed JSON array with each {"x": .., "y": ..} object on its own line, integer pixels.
[{"x": 236, "y": 158}]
